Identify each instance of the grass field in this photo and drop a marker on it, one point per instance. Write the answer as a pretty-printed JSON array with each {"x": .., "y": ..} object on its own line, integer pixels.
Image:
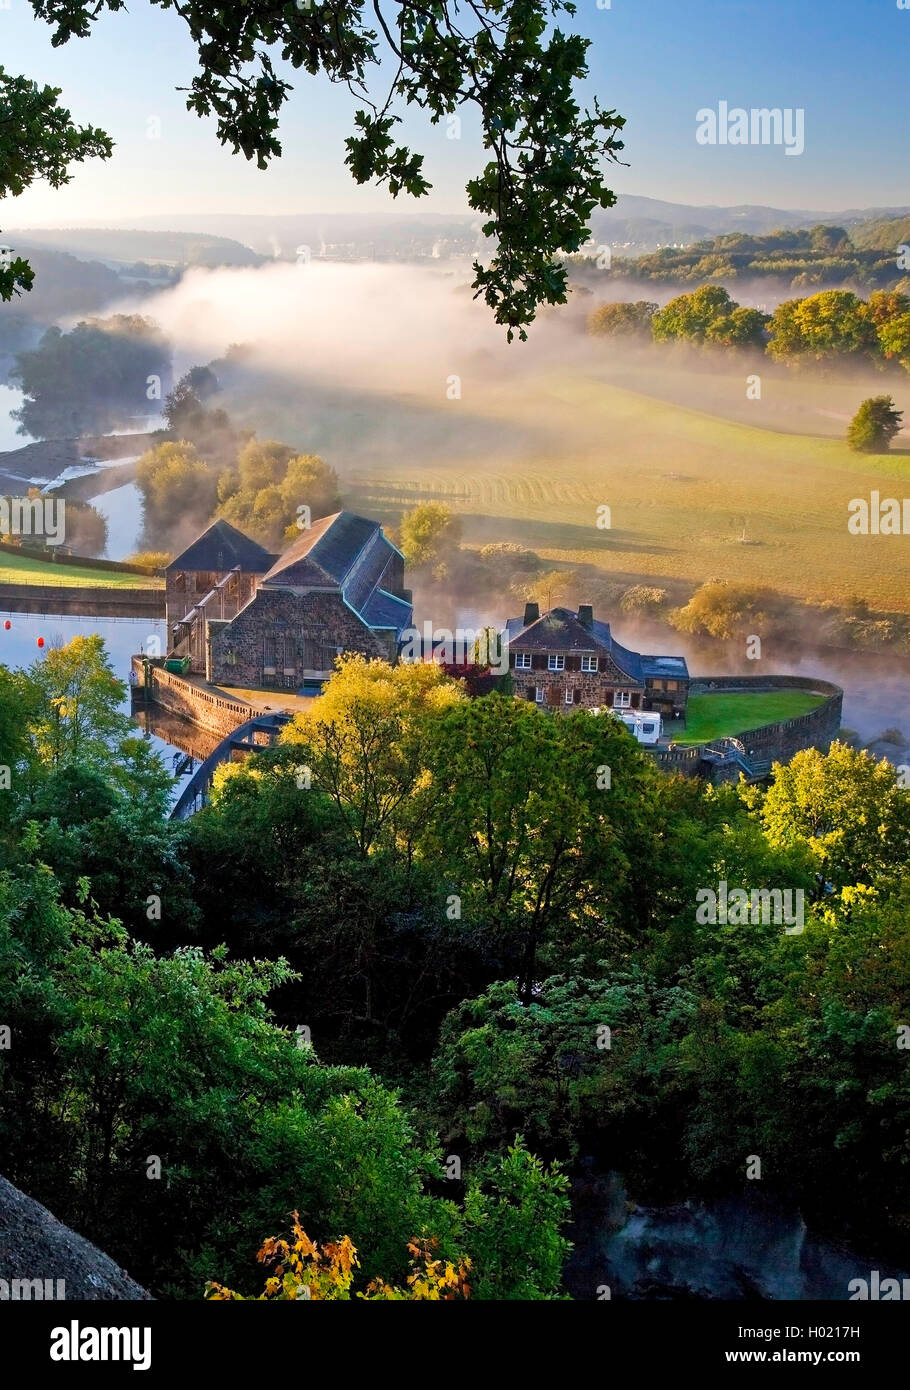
[
  {"x": 722, "y": 716},
  {"x": 683, "y": 487},
  {"x": 16, "y": 569},
  {"x": 685, "y": 462}
]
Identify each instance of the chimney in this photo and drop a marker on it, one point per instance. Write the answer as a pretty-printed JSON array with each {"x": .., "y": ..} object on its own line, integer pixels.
[
  {"x": 586, "y": 615},
  {"x": 532, "y": 613}
]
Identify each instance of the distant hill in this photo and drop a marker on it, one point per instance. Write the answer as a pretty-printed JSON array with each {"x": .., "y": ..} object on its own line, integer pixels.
[
  {"x": 64, "y": 284},
  {"x": 636, "y": 223},
  {"x": 884, "y": 234},
  {"x": 644, "y": 224},
  {"x": 124, "y": 248}
]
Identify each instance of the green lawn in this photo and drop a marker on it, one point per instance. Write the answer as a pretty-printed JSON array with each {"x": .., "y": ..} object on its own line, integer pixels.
[
  {"x": 23, "y": 569},
  {"x": 723, "y": 716},
  {"x": 701, "y": 482}
]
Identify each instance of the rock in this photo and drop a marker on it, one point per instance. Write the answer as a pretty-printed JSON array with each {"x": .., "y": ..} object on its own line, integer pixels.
[{"x": 40, "y": 1257}]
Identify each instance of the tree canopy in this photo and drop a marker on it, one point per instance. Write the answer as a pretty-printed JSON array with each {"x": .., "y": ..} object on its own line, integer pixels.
[{"x": 508, "y": 60}]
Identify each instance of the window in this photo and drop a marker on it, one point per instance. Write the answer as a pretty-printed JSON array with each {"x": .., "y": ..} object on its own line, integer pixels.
[
  {"x": 556, "y": 663},
  {"x": 589, "y": 663},
  {"x": 539, "y": 694},
  {"x": 522, "y": 661},
  {"x": 621, "y": 699},
  {"x": 569, "y": 696}
]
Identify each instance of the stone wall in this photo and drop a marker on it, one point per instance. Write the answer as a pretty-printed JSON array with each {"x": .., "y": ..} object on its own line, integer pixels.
[
  {"x": 595, "y": 688},
  {"x": 756, "y": 749},
  {"x": 203, "y": 707},
  {"x": 88, "y": 602},
  {"x": 780, "y": 741},
  {"x": 299, "y": 633}
]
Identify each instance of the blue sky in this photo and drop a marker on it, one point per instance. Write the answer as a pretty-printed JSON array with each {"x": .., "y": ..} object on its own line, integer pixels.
[{"x": 844, "y": 62}]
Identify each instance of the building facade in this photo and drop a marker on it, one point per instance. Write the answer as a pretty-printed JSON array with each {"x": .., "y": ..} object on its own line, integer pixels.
[
  {"x": 564, "y": 660},
  {"x": 339, "y": 588}
]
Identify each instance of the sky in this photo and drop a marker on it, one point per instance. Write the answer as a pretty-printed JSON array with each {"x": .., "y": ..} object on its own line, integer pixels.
[{"x": 844, "y": 63}]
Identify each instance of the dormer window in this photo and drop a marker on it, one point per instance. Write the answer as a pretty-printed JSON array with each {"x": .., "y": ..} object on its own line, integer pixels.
[{"x": 556, "y": 663}]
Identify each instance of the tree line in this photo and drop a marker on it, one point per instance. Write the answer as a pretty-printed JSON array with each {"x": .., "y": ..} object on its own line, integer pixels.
[{"x": 412, "y": 966}]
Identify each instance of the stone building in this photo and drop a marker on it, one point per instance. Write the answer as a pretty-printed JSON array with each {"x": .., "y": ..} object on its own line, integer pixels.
[
  {"x": 339, "y": 588},
  {"x": 213, "y": 578},
  {"x": 564, "y": 660}
]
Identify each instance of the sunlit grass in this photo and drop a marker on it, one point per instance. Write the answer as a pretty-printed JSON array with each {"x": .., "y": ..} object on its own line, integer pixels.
[
  {"x": 724, "y": 715},
  {"x": 16, "y": 569}
]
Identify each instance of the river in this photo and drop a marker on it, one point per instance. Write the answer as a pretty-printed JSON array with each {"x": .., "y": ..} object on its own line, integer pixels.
[{"x": 172, "y": 738}]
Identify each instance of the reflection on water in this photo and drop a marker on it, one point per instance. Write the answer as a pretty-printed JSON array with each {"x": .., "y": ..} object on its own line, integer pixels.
[
  {"x": 122, "y": 510},
  {"x": 177, "y": 733},
  {"x": 123, "y": 637}
]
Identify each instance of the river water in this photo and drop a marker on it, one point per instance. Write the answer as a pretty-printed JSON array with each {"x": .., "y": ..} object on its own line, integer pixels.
[{"x": 172, "y": 738}]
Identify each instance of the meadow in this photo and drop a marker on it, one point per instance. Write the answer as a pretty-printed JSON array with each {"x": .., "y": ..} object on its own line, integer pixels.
[
  {"x": 24, "y": 569},
  {"x": 691, "y": 495}
]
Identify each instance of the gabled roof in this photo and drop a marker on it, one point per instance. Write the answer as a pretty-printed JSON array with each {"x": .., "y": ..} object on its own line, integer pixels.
[
  {"x": 222, "y": 547},
  {"x": 325, "y": 553},
  {"x": 350, "y": 554},
  {"x": 560, "y": 630}
]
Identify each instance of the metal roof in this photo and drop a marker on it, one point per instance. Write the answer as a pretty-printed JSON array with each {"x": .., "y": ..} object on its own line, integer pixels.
[{"x": 222, "y": 547}]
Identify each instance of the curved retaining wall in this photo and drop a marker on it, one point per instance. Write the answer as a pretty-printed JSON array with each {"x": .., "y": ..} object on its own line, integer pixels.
[
  {"x": 213, "y": 712},
  {"x": 754, "y": 750}
]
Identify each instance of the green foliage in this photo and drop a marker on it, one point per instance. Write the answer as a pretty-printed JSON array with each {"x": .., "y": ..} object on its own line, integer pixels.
[
  {"x": 575, "y": 998},
  {"x": 726, "y": 611},
  {"x": 77, "y": 719},
  {"x": 38, "y": 140},
  {"x": 539, "y": 853},
  {"x": 874, "y": 426},
  {"x": 263, "y": 495},
  {"x": 622, "y": 320},
  {"x": 643, "y": 599},
  {"x": 847, "y": 808},
  {"x": 514, "y": 66},
  {"x": 91, "y": 379},
  {"x": 823, "y": 327},
  {"x": 427, "y": 537},
  {"x": 690, "y": 316},
  {"x": 175, "y": 482}
]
